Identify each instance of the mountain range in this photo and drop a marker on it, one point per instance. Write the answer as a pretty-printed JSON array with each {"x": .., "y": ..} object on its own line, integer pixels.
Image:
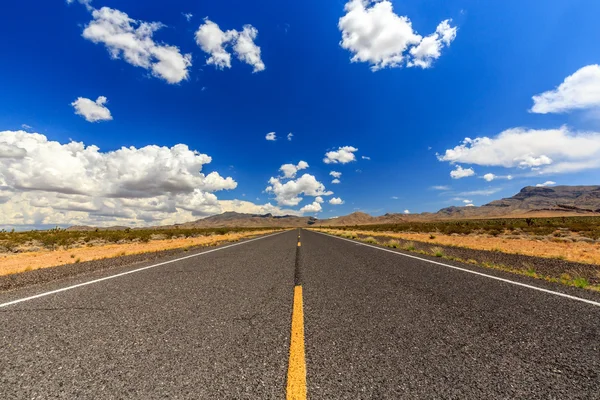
[{"x": 531, "y": 201}]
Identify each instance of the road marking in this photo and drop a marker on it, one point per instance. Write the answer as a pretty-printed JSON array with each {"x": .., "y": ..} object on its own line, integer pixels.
[
  {"x": 296, "y": 378},
  {"x": 130, "y": 272},
  {"x": 568, "y": 296}
]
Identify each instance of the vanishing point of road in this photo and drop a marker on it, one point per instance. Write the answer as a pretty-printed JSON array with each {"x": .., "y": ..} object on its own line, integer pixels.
[{"x": 299, "y": 314}]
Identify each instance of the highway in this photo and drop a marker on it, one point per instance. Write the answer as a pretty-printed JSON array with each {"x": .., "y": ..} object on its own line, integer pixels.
[{"x": 299, "y": 315}]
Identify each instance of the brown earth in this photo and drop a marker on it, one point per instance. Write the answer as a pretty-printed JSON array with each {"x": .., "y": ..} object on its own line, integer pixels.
[
  {"x": 20, "y": 262},
  {"x": 582, "y": 252}
]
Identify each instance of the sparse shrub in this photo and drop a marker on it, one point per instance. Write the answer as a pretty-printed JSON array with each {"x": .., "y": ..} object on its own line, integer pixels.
[
  {"x": 370, "y": 239},
  {"x": 437, "y": 251},
  {"x": 431, "y": 237},
  {"x": 410, "y": 246},
  {"x": 581, "y": 282},
  {"x": 393, "y": 244}
]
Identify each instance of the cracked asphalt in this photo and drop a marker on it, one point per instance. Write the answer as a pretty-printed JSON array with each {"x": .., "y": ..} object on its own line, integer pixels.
[{"x": 377, "y": 325}]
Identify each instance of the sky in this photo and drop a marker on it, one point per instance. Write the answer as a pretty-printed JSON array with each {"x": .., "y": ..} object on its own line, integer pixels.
[{"x": 146, "y": 113}]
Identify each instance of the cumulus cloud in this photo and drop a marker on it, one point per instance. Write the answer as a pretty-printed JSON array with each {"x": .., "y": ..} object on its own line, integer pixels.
[
  {"x": 406, "y": 212},
  {"x": 290, "y": 136},
  {"x": 187, "y": 16},
  {"x": 547, "y": 183},
  {"x": 290, "y": 170},
  {"x": 489, "y": 177},
  {"x": 271, "y": 136},
  {"x": 375, "y": 34},
  {"x": 467, "y": 201},
  {"x": 336, "y": 181},
  {"x": 212, "y": 40},
  {"x": 336, "y": 201},
  {"x": 288, "y": 193},
  {"x": 216, "y": 42},
  {"x": 315, "y": 207},
  {"x": 578, "y": 91},
  {"x": 247, "y": 207},
  {"x": 319, "y": 199},
  {"x": 546, "y": 150},
  {"x": 92, "y": 111},
  {"x": 335, "y": 174},
  {"x": 342, "y": 155},
  {"x": 246, "y": 50},
  {"x": 68, "y": 183},
  {"x": 460, "y": 172},
  {"x": 132, "y": 40}
]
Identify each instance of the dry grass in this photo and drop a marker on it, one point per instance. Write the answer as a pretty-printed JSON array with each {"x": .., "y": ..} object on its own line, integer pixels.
[
  {"x": 572, "y": 251},
  {"x": 20, "y": 262}
]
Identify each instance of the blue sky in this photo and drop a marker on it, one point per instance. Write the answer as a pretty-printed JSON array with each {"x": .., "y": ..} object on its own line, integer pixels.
[{"x": 477, "y": 82}]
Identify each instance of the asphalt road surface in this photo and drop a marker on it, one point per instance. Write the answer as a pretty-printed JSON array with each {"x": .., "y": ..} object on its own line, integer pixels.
[{"x": 317, "y": 317}]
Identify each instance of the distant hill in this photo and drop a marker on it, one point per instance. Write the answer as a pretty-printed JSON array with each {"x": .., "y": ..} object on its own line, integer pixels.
[
  {"x": 530, "y": 201},
  {"x": 583, "y": 200},
  {"x": 234, "y": 219},
  {"x": 360, "y": 218}
]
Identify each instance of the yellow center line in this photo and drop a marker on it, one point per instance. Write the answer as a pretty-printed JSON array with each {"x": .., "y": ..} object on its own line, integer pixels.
[{"x": 296, "y": 378}]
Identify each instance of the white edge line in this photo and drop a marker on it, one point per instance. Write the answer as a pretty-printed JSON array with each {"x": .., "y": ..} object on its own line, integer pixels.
[
  {"x": 568, "y": 296},
  {"x": 131, "y": 272}
]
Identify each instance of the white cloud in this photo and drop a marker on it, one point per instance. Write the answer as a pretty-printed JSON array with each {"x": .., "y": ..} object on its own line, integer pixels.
[
  {"x": 92, "y": 111},
  {"x": 343, "y": 155},
  {"x": 319, "y": 199},
  {"x": 336, "y": 181},
  {"x": 247, "y": 207},
  {"x": 373, "y": 33},
  {"x": 288, "y": 193},
  {"x": 315, "y": 207},
  {"x": 461, "y": 172},
  {"x": 290, "y": 170},
  {"x": 271, "y": 136},
  {"x": 578, "y": 91},
  {"x": 552, "y": 150},
  {"x": 336, "y": 201},
  {"x": 467, "y": 201},
  {"x": 187, "y": 16},
  {"x": 395, "y": 197},
  {"x": 246, "y": 50},
  {"x": 26, "y": 127},
  {"x": 547, "y": 183},
  {"x": 430, "y": 48},
  {"x": 212, "y": 40},
  {"x": 290, "y": 136},
  {"x": 470, "y": 205},
  {"x": 54, "y": 183},
  {"x": 489, "y": 177},
  {"x": 440, "y": 187},
  {"x": 406, "y": 212},
  {"x": 215, "y": 42},
  {"x": 335, "y": 174},
  {"x": 366, "y": 158},
  {"x": 132, "y": 40}
]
